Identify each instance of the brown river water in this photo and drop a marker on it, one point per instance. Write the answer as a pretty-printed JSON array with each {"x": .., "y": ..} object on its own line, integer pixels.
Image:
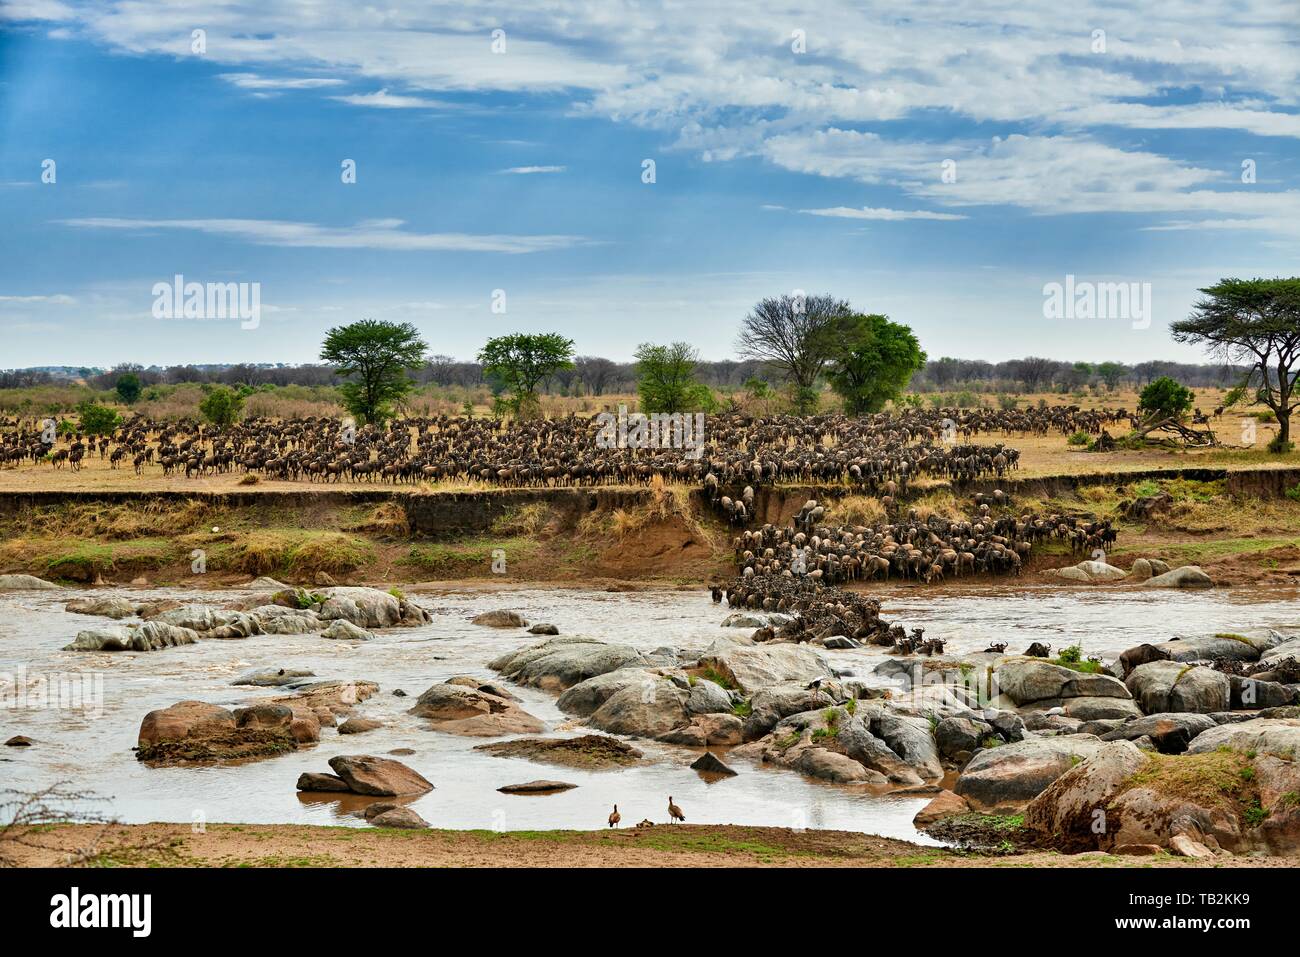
[{"x": 91, "y": 747}]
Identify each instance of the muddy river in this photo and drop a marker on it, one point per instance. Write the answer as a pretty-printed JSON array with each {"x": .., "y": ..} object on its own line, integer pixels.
[{"x": 91, "y": 747}]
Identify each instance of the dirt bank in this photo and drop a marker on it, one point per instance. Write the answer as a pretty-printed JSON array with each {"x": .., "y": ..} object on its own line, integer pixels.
[
  {"x": 1240, "y": 525},
  {"x": 663, "y": 845}
]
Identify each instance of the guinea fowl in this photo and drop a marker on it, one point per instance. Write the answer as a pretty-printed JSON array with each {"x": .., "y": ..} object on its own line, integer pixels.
[
  {"x": 674, "y": 812},
  {"x": 615, "y": 817}
]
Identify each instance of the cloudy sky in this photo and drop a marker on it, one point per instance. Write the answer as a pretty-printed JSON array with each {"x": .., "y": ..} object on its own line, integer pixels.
[{"x": 936, "y": 161}]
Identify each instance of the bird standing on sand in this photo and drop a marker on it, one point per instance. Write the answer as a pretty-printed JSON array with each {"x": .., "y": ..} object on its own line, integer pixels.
[
  {"x": 674, "y": 812},
  {"x": 615, "y": 817}
]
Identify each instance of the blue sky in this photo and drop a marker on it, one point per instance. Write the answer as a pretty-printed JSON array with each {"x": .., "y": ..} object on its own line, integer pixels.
[{"x": 776, "y": 169}]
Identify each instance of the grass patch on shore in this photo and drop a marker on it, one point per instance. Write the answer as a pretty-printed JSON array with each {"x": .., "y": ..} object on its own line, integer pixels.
[
  {"x": 82, "y": 560},
  {"x": 468, "y": 556},
  {"x": 1223, "y": 778},
  {"x": 290, "y": 552}
]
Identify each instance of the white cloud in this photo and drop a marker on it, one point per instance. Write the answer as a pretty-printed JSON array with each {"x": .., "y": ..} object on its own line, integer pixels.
[
  {"x": 392, "y": 101},
  {"x": 252, "y": 81},
  {"x": 868, "y": 212},
  {"x": 723, "y": 81},
  {"x": 370, "y": 234},
  {"x": 59, "y": 299},
  {"x": 528, "y": 170}
]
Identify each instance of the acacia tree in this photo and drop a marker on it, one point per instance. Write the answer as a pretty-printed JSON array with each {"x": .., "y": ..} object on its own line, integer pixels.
[
  {"x": 666, "y": 379},
  {"x": 1255, "y": 322},
  {"x": 789, "y": 333},
  {"x": 874, "y": 359},
  {"x": 375, "y": 357},
  {"x": 521, "y": 361}
]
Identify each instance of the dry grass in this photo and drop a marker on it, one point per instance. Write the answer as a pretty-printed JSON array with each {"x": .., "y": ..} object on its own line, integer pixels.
[
  {"x": 859, "y": 510},
  {"x": 115, "y": 522}
]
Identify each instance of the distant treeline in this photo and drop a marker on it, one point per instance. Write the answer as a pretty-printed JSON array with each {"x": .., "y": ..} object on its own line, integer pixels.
[{"x": 595, "y": 376}]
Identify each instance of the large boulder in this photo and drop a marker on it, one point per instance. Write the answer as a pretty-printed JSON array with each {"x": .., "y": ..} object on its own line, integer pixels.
[
  {"x": 500, "y": 618},
  {"x": 708, "y": 697},
  {"x": 150, "y": 636},
  {"x": 381, "y": 777},
  {"x": 814, "y": 744},
  {"x": 273, "y": 677},
  {"x": 752, "y": 667},
  {"x": 1279, "y": 736},
  {"x": 457, "y": 709},
  {"x": 1187, "y": 576},
  {"x": 1009, "y": 776},
  {"x": 340, "y": 629},
  {"x": 1070, "y": 813},
  {"x": 561, "y": 663},
  {"x": 649, "y": 709},
  {"x": 1091, "y": 572},
  {"x": 708, "y": 729},
  {"x": 182, "y": 720},
  {"x": 363, "y": 607},
  {"x": 1028, "y": 680},
  {"x": 956, "y": 735},
  {"x": 1224, "y": 645},
  {"x": 105, "y": 606},
  {"x": 1277, "y": 655},
  {"x": 1252, "y": 693},
  {"x": 912, "y": 739},
  {"x": 279, "y": 620},
  {"x": 1170, "y": 733},
  {"x": 586, "y": 696},
  {"x": 770, "y": 705},
  {"x": 1161, "y": 686},
  {"x": 26, "y": 583}
]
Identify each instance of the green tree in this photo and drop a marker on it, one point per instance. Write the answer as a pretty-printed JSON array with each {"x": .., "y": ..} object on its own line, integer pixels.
[
  {"x": 373, "y": 357},
  {"x": 128, "y": 387},
  {"x": 1111, "y": 373},
  {"x": 873, "y": 361},
  {"x": 1165, "y": 398},
  {"x": 790, "y": 333},
  {"x": 222, "y": 406},
  {"x": 1253, "y": 322},
  {"x": 96, "y": 419},
  {"x": 521, "y": 361},
  {"x": 666, "y": 379}
]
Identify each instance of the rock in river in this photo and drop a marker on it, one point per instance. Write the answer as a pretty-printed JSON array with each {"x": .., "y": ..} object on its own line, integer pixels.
[
  {"x": 457, "y": 709},
  {"x": 588, "y": 751},
  {"x": 382, "y": 777},
  {"x": 752, "y": 667},
  {"x": 150, "y": 636},
  {"x": 561, "y": 663},
  {"x": 1173, "y": 686},
  {"x": 500, "y": 618},
  {"x": 26, "y": 583},
  {"x": 537, "y": 787},
  {"x": 1009, "y": 776},
  {"x": 102, "y": 605}
]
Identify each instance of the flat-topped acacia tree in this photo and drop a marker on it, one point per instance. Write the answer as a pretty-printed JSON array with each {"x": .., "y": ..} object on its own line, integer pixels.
[
  {"x": 1255, "y": 322},
  {"x": 373, "y": 356}
]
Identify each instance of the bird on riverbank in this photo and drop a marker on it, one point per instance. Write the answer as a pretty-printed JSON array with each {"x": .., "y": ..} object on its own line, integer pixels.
[
  {"x": 674, "y": 812},
  {"x": 615, "y": 817}
]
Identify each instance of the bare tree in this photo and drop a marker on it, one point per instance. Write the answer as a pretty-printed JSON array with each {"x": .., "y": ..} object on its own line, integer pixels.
[{"x": 790, "y": 333}]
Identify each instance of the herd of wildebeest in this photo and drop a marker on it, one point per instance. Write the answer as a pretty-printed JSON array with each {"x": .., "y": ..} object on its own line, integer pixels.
[{"x": 877, "y": 455}]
